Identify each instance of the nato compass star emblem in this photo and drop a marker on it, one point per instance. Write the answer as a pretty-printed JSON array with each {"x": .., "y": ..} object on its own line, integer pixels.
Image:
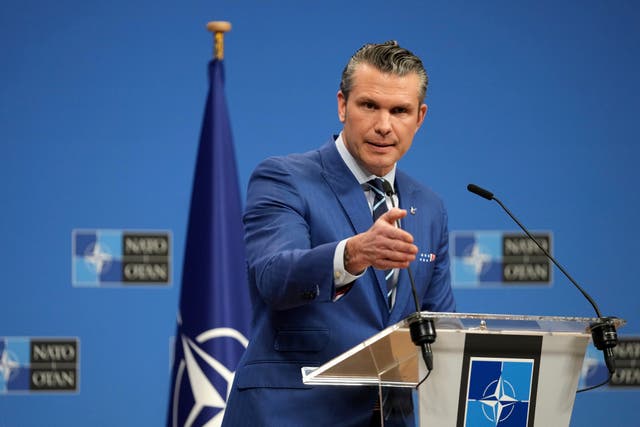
[
  {"x": 98, "y": 257},
  {"x": 498, "y": 400},
  {"x": 195, "y": 361},
  {"x": 8, "y": 363},
  {"x": 477, "y": 259}
]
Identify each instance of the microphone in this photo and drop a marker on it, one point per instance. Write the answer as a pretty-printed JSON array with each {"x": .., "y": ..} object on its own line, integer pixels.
[
  {"x": 603, "y": 331},
  {"x": 423, "y": 331},
  {"x": 480, "y": 191}
]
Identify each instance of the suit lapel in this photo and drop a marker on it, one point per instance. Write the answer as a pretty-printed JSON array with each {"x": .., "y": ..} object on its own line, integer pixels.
[
  {"x": 350, "y": 196},
  {"x": 406, "y": 199},
  {"x": 345, "y": 187}
]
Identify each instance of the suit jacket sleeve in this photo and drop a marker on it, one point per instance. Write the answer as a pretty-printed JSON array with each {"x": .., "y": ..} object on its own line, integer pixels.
[{"x": 287, "y": 271}]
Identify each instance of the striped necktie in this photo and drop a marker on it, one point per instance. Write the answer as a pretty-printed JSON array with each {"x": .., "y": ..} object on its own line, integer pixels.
[{"x": 379, "y": 208}]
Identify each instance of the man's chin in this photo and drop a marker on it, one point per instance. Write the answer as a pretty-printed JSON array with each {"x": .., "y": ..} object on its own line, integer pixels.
[{"x": 378, "y": 168}]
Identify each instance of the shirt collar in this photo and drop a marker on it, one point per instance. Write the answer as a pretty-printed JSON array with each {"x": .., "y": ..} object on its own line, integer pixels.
[{"x": 358, "y": 171}]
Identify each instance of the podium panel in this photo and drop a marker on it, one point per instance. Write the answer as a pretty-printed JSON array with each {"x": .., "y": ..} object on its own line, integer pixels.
[{"x": 487, "y": 368}]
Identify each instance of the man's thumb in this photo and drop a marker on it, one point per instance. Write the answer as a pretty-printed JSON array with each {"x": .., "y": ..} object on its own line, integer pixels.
[{"x": 394, "y": 214}]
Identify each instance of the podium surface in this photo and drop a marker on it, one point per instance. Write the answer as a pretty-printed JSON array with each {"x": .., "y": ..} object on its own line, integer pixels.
[{"x": 487, "y": 367}]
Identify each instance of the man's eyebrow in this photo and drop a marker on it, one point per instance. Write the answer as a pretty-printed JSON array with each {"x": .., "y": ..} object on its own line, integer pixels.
[
  {"x": 366, "y": 98},
  {"x": 406, "y": 106}
]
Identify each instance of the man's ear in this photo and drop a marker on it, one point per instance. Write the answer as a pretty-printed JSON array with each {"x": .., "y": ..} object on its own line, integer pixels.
[
  {"x": 422, "y": 113},
  {"x": 342, "y": 107}
]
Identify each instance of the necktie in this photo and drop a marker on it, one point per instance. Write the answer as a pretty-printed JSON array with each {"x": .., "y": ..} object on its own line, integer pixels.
[
  {"x": 396, "y": 402},
  {"x": 379, "y": 198},
  {"x": 379, "y": 208}
]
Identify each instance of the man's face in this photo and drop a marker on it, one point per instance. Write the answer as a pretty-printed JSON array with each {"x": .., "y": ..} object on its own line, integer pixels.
[{"x": 381, "y": 117}]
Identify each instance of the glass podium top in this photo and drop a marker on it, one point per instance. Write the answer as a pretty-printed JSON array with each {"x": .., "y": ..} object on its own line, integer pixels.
[
  {"x": 390, "y": 358},
  {"x": 503, "y": 323}
]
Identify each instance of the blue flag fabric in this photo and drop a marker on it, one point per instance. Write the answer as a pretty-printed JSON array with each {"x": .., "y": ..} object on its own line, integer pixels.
[{"x": 214, "y": 313}]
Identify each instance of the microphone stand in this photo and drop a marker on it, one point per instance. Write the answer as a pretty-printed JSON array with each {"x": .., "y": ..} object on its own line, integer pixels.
[
  {"x": 603, "y": 330},
  {"x": 422, "y": 330}
]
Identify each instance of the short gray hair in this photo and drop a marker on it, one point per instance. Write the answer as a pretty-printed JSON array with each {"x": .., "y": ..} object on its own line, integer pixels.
[{"x": 387, "y": 57}]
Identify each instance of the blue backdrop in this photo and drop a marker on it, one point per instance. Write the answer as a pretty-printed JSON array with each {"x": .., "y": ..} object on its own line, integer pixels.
[{"x": 100, "y": 111}]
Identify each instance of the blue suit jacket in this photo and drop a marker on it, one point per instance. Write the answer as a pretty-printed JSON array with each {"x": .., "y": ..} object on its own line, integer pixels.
[{"x": 298, "y": 208}]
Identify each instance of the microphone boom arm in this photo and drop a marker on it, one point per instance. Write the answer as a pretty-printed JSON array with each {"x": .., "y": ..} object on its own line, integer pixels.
[
  {"x": 557, "y": 264},
  {"x": 603, "y": 331}
]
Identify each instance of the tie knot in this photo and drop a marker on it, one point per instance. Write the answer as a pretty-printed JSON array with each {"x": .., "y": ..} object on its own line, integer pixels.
[{"x": 377, "y": 185}]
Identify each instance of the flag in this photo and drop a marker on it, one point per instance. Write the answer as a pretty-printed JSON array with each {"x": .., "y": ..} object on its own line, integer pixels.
[{"x": 214, "y": 312}]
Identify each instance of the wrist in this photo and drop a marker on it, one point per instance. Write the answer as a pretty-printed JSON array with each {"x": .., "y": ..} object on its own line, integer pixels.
[{"x": 348, "y": 261}]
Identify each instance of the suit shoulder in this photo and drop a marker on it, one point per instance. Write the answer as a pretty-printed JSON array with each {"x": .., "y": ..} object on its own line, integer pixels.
[
  {"x": 308, "y": 164},
  {"x": 294, "y": 162}
]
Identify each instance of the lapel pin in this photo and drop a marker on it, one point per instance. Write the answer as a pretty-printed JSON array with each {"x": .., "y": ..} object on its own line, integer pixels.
[{"x": 413, "y": 210}]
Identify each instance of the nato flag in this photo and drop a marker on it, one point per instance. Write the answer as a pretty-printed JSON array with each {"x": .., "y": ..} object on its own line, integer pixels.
[{"x": 214, "y": 313}]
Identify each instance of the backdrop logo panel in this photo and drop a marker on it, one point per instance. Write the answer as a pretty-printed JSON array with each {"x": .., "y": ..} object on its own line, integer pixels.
[
  {"x": 627, "y": 354},
  {"x": 496, "y": 258},
  {"x": 627, "y": 374},
  {"x": 38, "y": 365},
  {"x": 120, "y": 257}
]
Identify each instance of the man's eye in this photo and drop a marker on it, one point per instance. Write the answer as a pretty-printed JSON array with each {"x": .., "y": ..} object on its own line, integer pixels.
[
  {"x": 399, "y": 110},
  {"x": 369, "y": 105}
]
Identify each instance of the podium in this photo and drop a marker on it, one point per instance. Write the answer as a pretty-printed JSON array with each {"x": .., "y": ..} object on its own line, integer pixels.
[{"x": 488, "y": 369}]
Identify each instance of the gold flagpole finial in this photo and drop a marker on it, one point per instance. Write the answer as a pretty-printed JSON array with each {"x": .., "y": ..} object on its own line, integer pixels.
[{"x": 218, "y": 28}]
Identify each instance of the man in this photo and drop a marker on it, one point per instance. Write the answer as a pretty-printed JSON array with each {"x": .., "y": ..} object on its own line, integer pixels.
[{"x": 317, "y": 260}]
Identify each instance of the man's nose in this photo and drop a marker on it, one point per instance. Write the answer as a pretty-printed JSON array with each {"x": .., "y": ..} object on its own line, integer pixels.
[{"x": 383, "y": 123}]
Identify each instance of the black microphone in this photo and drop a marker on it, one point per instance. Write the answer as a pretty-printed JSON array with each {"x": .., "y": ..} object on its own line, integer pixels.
[
  {"x": 480, "y": 191},
  {"x": 423, "y": 331},
  {"x": 603, "y": 331}
]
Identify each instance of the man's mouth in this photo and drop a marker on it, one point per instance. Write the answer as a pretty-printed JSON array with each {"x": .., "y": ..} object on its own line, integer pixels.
[{"x": 380, "y": 144}]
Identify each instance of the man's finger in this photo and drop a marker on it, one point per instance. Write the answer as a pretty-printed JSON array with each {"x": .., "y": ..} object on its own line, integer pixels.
[{"x": 393, "y": 215}]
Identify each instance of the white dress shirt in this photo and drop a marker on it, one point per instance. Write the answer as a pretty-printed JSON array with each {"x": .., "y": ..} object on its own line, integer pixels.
[{"x": 341, "y": 276}]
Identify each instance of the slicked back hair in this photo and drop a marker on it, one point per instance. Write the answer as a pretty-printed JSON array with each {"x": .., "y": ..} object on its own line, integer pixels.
[{"x": 387, "y": 57}]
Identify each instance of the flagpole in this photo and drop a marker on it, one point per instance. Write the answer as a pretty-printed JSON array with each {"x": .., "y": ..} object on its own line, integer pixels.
[
  {"x": 218, "y": 28},
  {"x": 211, "y": 335}
]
